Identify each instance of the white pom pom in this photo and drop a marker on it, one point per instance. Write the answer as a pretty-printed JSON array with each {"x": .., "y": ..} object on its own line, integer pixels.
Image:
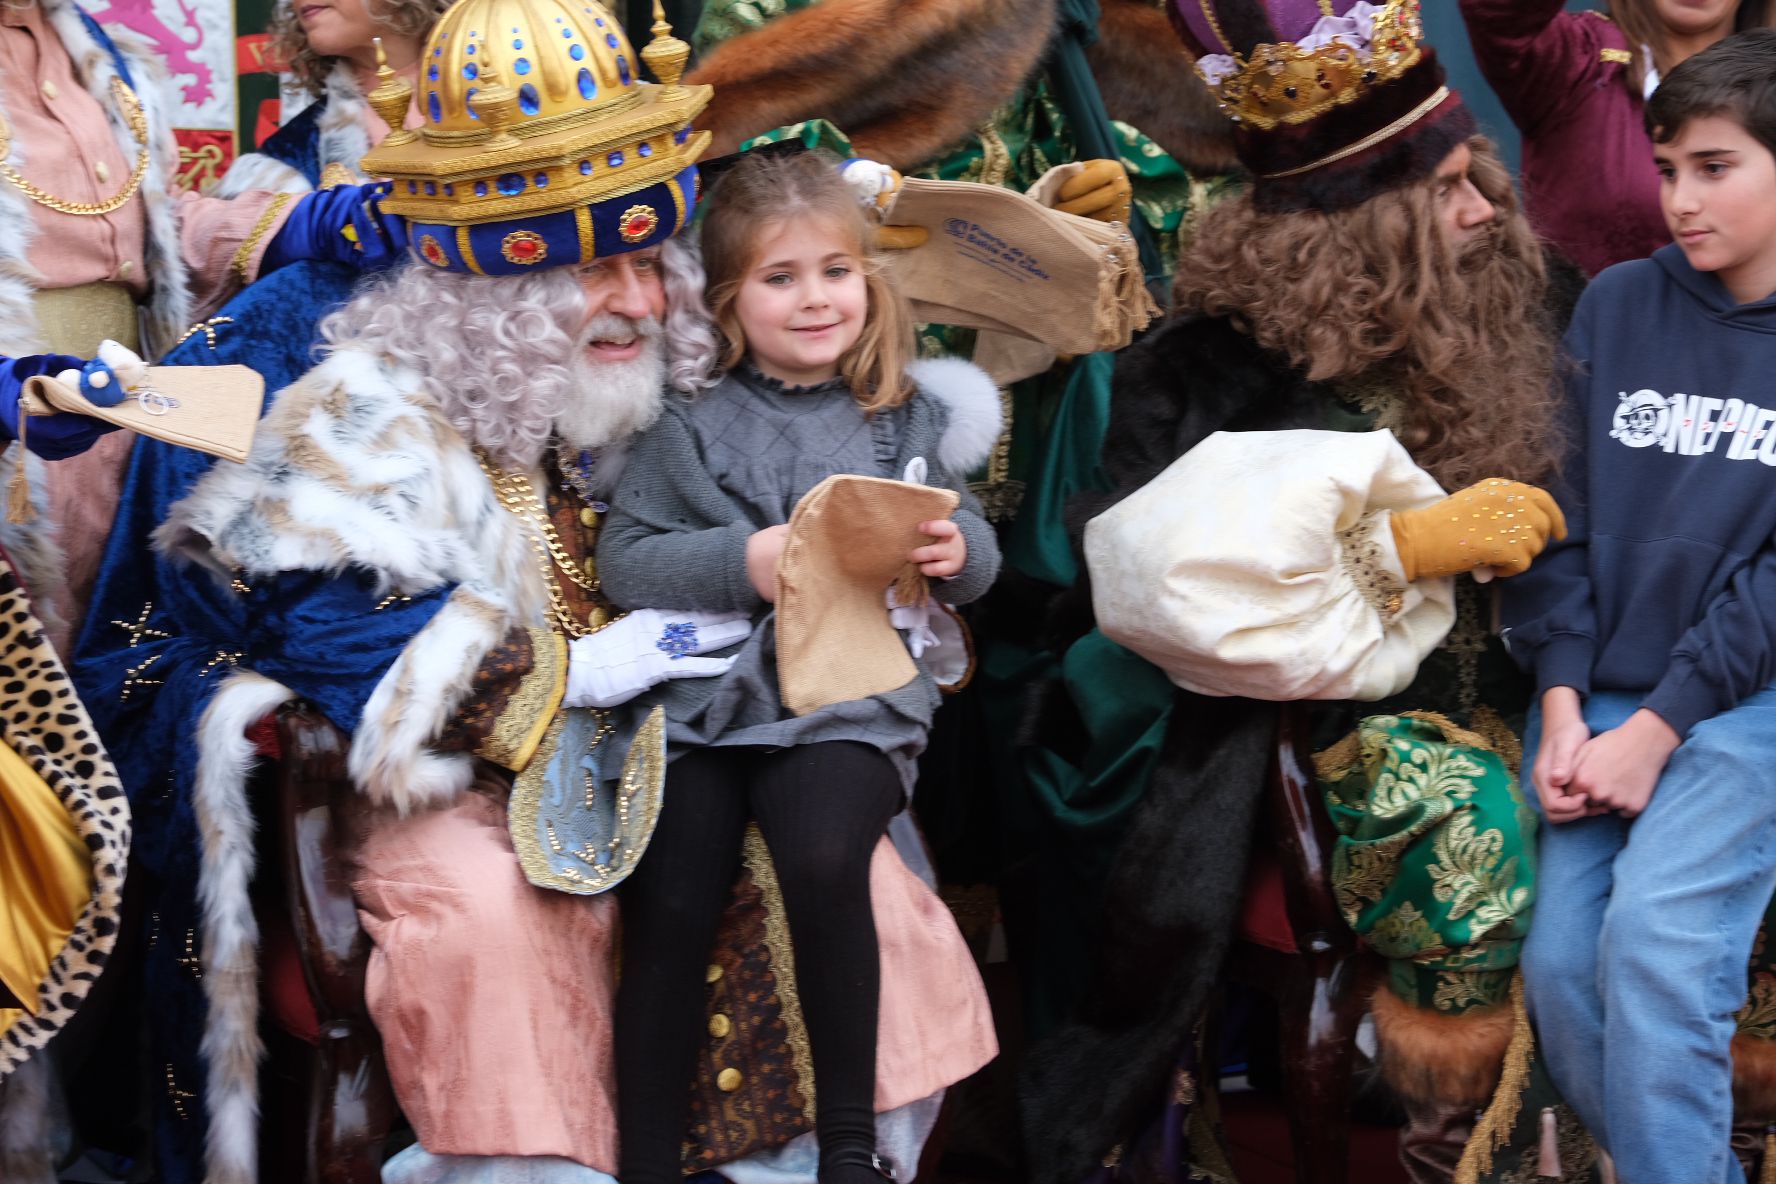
[{"x": 130, "y": 369}]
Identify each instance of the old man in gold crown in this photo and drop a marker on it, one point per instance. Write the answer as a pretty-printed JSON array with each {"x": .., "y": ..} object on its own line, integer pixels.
[{"x": 409, "y": 549}]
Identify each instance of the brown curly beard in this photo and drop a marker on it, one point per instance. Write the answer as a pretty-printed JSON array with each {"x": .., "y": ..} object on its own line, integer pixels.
[{"x": 1377, "y": 294}]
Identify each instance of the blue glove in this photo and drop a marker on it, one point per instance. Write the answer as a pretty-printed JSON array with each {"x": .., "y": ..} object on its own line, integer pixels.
[
  {"x": 58, "y": 436},
  {"x": 344, "y": 224}
]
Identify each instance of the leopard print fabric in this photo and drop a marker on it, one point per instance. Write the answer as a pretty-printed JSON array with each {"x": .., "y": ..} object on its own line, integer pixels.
[{"x": 44, "y": 722}]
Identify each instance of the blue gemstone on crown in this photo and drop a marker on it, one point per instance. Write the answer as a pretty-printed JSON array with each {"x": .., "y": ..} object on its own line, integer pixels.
[
  {"x": 610, "y": 39},
  {"x": 471, "y": 50},
  {"x": 431, "y": 188},
  {"x": 528, "y": 100},
  {"x": 645, "y": 150},
  {"x": 517, "y": 42},
  {"x": 588, "y": 88},
  {"x": 471, "y": 71},
  {"x": 682, "y": 134},
  {"x": 623, "y": 69},
  {"x": 541, "y": 180},
  {"x": 585, "y": 168},
  {"x": 437, "y": 112},
  {"x": 521, "y": 66},
  {"x": 511, "y": 184},
  {"x": 576, "y": 52},
  {"x": 469, "y": 102},
  {"x": 615, "y": 160},
  {"x": 480, "y": 189}
]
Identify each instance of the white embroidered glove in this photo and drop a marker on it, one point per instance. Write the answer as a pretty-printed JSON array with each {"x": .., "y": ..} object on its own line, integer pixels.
[{"x": 646, "y": 648}]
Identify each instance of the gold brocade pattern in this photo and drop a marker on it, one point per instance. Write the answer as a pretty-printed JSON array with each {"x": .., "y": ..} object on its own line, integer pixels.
[
  {"x": 1361, "y": 557},
  {"x": 1405, "y": 933},
  {"x": 639, "y": 796},
  {"x": 522, "y": 723},
  {"x": 756, "y": 857},
  {"x": 1470, "y": 876}
]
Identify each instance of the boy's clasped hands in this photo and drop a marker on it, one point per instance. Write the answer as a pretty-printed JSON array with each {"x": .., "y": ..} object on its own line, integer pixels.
[{"x": 1578, "y": 775}]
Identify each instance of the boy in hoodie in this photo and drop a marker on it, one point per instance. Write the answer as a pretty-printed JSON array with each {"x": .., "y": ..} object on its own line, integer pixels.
[{"x": 1652, "y": 636}]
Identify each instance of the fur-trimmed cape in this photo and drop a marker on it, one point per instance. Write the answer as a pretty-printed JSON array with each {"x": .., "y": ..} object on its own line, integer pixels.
[{"x": 905, "y": 79}]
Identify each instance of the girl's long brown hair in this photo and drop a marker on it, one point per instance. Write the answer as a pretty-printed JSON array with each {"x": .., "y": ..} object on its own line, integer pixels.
[
  {"x": 1640, "y": 26},
  {"x": 1376, "y": 293},
  {"x": 765, "y": 189}
]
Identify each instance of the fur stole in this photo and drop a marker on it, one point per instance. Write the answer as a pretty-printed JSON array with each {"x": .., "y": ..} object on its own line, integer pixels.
[
  {"x": 1147, "y": 81},
  {"x": 343, "y": 137},
  {"x": 905, "y": 79},
  {"x": 353, "y": 470},
  {"x": 169, "y": 306}
]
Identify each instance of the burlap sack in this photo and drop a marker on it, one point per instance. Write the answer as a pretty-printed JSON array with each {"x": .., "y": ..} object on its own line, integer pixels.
[
  {"x": 1000, "y": 261},
  {"x": 848, "y": 541}
]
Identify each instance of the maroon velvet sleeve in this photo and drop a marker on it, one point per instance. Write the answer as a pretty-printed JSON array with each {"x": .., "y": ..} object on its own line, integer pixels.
[{"x": 1534, "y": 54}]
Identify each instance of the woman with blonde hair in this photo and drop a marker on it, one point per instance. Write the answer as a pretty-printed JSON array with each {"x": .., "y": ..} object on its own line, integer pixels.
[
  {"x": 328, "y": 48},
  {"x": 1575, "y": 84}
]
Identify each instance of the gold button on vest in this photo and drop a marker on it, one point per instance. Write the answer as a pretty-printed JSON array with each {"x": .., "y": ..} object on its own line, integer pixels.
[
  {"x": 49, "y": 90},
  {"x": 720, "y": 1025},
  {"x": 728, "y": 1080}
]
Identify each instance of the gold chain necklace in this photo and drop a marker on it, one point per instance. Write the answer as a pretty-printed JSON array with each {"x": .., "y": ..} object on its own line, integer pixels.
[
  {"x": 126, "y": 100},
  {"x": 519, "y": 497}
]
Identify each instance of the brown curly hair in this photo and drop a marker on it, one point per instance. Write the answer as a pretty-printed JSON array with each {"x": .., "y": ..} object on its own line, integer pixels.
[
  {"x": 1377, "y": 294},
  {"x": 290, "y": 48}
]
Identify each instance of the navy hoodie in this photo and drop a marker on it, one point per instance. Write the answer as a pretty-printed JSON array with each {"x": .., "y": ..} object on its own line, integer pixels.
[{"x": 1666, "y": 583}]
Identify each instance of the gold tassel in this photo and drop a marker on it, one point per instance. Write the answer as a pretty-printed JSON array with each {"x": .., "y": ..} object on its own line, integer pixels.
[
  {"x": 1548, "y": 1156},
  {"x": 18, "y": 493},
  {"x": 1493, "y": 1130},
  {"x": 1767, "y": 1174}
]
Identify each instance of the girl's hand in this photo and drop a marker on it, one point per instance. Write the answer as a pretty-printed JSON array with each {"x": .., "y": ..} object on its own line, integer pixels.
[
  {"x": 1620, "y": 768},
  {"x": 1564, "y": 733},
  {"x": 764, "y": 549},
  {"x": 945, "y": 557}
]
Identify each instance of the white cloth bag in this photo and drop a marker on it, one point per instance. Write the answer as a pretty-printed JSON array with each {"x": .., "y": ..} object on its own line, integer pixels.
[{"x": 1228, "y": 570}]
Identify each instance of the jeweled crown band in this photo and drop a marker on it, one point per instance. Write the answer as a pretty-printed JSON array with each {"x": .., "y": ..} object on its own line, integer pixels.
[
  {"x": 1369, "y": 141},
  {"x": 1290, "y": 83}
]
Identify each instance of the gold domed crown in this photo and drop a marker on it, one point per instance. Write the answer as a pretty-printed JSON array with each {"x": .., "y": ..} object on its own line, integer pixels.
[{"x": 533, "y": 107}]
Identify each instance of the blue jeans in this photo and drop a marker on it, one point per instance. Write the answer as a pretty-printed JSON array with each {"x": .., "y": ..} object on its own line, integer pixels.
[{"x": 1636, "y": 961}]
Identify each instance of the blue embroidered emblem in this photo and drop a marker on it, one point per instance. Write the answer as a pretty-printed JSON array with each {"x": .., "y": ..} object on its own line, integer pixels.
[{"x": 678, "y": 639}]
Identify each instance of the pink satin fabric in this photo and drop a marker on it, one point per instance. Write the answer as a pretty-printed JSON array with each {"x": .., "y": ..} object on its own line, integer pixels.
[{"x": 494, "y": 997}]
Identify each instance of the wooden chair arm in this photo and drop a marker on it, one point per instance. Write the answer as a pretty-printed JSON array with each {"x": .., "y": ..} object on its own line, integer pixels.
[{"x": 1304, "y": 835}]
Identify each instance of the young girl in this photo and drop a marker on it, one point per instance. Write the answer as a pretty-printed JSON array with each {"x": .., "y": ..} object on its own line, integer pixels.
[{"x": 817, "y": 345}]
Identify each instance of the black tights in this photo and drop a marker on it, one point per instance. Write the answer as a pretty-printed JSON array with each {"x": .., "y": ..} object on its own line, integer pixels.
[{"x": 821, "y": 809}]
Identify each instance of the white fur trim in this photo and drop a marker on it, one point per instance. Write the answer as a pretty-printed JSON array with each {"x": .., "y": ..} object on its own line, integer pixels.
[
  {"x": 36, "y": 556},
  {"x": 391, "y": 759},
  {"x": 342, "y": 138},
  {"x": 231, "y": 1045},
  {"x": 169, "y": 305},
  {"x": 344, "y": 125},
  {"x": 975, "y": 412},
  {"x": 349, "y": 471},
  {"x": 256, "y": 171}
]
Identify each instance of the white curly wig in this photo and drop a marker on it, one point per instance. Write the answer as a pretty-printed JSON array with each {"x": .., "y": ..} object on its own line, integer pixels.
[{"x": 501, "y": 355}]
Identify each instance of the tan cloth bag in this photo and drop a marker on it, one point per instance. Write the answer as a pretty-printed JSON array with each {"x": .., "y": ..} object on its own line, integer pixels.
[
  {"x": 848, "y": 542},
  {"x": 1000, "y": 261},
  {"x": 214, "y": 409}
]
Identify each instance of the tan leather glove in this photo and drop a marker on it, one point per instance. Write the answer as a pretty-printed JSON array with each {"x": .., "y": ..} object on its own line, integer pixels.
[
  {"x": 1100, "y": 190},
  {"x": 1494, "y": 523}
]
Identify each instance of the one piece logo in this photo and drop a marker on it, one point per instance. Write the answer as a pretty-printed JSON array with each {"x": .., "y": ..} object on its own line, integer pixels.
[{"x": 1640, "y": 419}]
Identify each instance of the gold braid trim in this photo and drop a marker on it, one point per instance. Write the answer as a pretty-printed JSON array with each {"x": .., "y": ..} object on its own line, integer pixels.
[
  {"x": 243, "y": 255},
  {"x": 764, "y": 873},
  {"x": 1493, "y": 1130}
]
